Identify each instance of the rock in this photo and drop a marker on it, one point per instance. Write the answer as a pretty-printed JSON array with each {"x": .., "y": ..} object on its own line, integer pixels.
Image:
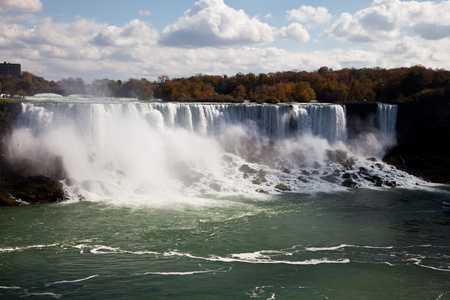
[
  {"x": 286, "y": 171},
  {"x": 262, "y": 191},
  {"x": 337, "y": 156},
  {"x": 215, "y": 187},
  {"x": 262, "y": 173},
  {"x": 363, "y": 171},
  {"x": 306, "y": 173},
  {"x": 349, "y": 183},
  {"x": 186, "y": 174},
  {"x": 256, "y": 181},
  {"x": 350, "y": 162},
  {"x": 282, "y": 187},
  {"x": 329, "y": 178},
  {"x": 247, "y": 169},
  {"x": 346, "y": 176},
  {"x": 392, "y": 184},
  {"x": 302, "y": 179},
  {"x": 369, "y": 179},
  {"x": 317, "y": 165}
]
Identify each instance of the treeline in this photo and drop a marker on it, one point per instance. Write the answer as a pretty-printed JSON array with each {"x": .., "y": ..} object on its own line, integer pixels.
[{"x": 414, "y": 84}]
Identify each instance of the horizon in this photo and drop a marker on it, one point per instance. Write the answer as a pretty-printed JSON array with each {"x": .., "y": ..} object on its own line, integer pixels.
[{"x": 57, "y": 40}]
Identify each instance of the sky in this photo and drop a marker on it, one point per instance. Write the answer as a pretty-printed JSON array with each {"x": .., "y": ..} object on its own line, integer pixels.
[{"x": 114, "y": 39}]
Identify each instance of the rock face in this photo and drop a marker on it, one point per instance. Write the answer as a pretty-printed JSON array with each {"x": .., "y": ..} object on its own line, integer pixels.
[
  {"x": 423, "y": 146},
  {"x": 18, "y": 186}
]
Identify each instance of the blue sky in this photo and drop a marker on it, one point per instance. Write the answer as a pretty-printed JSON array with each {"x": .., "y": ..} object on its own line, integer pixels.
[{"x": 145, "y": 39}]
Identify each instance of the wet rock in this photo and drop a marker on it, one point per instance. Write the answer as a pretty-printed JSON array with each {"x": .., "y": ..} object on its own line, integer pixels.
[
  {"x": 317, "y": 165},
  {"x": 349, "y": 183},
  {"x": 337, "y": 156},
  {"x": 262, "y": 191},
  {"x": 215, "y": 187},
  {"x": 346, "y": 176},
  {"x": 282, "y": 187},
  {"x": 247, "y": 169},
  {"x": 186, "y": 174},
  {"x": 363, "y": 171},
  {"x": 369, "y": 179},
  {"x": 302, "y": 179},
  {"x": 286, "y": 171},
  {"x": 350, "y": 162},
  {"x": 262, "y": 173},
  {"x": 256, "y": 181},
  {"x": 329, "y": 178},
  {"x": 392, "y": 184}
]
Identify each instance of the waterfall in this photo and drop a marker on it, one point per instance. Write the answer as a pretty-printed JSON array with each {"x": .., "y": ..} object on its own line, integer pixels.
[
  {"x": 124, "y": 148},
  {"x": 272, "y": 121},
  {"x": 387, "y": 118}
]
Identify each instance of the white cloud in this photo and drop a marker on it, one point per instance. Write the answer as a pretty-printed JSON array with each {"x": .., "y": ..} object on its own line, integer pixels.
[
  {"x": 21, "y": 5},
  {"x": 211, "y": 23},
  {"x": 144, "y": 13},
  {"x": 406, "y": 33},
  {"x": 392, "y": 19},
  {"x": 134, "y": 33},
  {"x": 309, "y": 15},
  {"x": 295, "y": 32}
]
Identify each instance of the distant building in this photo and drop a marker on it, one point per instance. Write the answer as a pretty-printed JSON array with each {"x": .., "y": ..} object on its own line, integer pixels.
[{"x": 10, "y": 69}]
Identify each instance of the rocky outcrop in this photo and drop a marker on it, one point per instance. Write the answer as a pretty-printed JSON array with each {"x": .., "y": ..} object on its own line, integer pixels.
[
  {"x": 20, "y": 186},
  {"x": 423, "y": 146}
]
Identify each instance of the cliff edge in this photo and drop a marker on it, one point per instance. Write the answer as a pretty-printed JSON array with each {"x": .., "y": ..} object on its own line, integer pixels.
[{"x": 19, "y": 186}]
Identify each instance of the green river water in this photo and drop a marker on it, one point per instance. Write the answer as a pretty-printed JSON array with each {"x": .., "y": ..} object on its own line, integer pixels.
[{"x": 357, "y": 244}]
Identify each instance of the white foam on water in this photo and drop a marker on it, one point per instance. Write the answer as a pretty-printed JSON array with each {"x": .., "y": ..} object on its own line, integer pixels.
[
  {"x": 187, "y": 273},
  {"x": 18, "y": 249},
  {"x": 72, "y": 281},
  {"x": 258, "y": 258}
]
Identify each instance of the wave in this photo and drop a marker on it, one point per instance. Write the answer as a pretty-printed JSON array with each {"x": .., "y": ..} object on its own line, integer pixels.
[{"x": 72, "y": 281}]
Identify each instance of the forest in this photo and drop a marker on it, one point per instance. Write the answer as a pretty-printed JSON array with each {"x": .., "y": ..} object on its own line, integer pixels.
[{"x": 399, "y": 85}]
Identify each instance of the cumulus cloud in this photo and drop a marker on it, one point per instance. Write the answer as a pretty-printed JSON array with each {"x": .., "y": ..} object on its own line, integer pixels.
[
  {"x": 311, "y": 15},
  {"x": 392, "y": 19},
  {"x": 134, "y": 33},
  {"x": 406, "y": 33},
  {"x": 21, "y": 5},
  {"x": 211, "y": 23},
  {"x": 295, "y": 32}
]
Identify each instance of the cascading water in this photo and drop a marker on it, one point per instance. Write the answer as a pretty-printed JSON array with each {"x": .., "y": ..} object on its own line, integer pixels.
[
  {"x": 126, "y": 149},
  {"x": 387, "y": 118}
]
